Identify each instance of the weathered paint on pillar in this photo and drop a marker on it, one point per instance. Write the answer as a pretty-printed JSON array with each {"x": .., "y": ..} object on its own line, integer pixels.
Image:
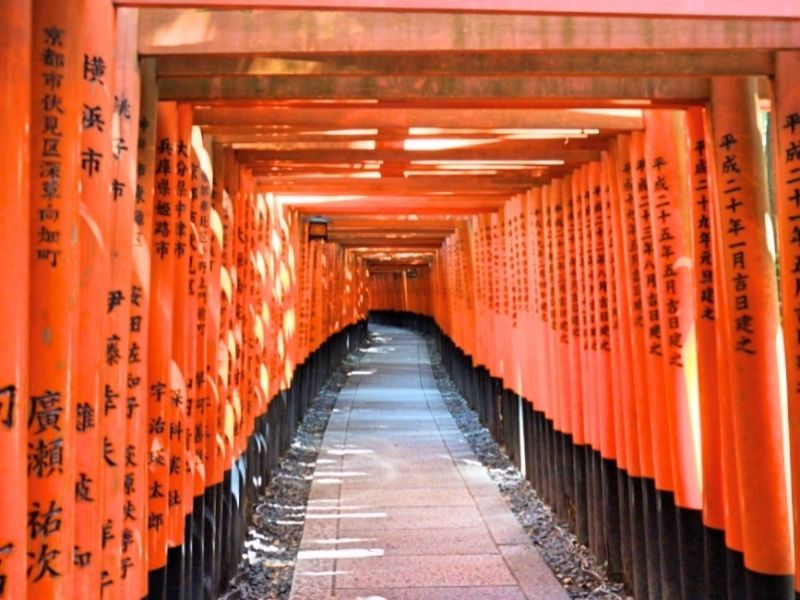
[
  {"x": 787, "y": 170},
  {"x": 134, "y": 563},
  {"x": 15, "y": 244},
  {"x": 750, "y": 291},
  {"x": 668, "y": 188},
  {"x": 654, "y": 342},
  {"x": 159, "y": 366},
  {"x": 100, "y": 348},
  {"x": 706, "y": 321},
  {"x": 54, "y": 274},
  {"x": 641, "y": 435}
]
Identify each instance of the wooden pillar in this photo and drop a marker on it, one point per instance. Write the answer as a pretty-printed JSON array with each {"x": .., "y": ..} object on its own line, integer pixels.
[
  {"x": 123, "y": 560},
  {"x": 54, "y": 274},
  {"x": 160, "y": 370},
  {"x": 135, "y": 532},
  {"x": 709, "y": 376},
  {"x": 15, "y": 244},
  {"x": 787, "y": 168},
  {"x": 750, "y": 292},
  {"x": 102, "y": 356}
]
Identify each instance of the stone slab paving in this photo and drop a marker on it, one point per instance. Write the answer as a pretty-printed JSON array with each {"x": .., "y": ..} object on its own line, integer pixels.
[{"x": 400, "y": 508}]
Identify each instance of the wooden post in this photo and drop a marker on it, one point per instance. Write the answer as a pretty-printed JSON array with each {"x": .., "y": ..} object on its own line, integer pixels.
[
  {"x": 15, "y": 245},
  {"x": 750, "y": 292},
  {"x": 787, "y": 167},
  {"x": 50, "y": 412},
  {"x": 160, "y": 377}
]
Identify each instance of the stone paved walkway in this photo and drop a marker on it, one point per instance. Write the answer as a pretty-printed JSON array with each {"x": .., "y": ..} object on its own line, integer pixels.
[{"x": 400, "y": 508}]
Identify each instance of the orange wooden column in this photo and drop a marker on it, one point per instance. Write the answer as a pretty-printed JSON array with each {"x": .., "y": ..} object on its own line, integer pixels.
[
  {"x": 215, "y": 409},
  {"x": 619, "y": 369},
  {"x": 182, "y": 356},
  {"x": 787, "y": 166},
  {"x": 542, "y": 356},
  {"x": 201, "y": 222},
  {"x": 589, "y": 369},
  {"x": 104, "y": 326},
  {"x": 159, "y": 357},
  {"x": 668, "y": 186},
  {"x": 576, "y": 363},
  {"x": 654, "y": 339},
  {"x": 123, "y": 538},
  {"x": 15, "y": 244},
  {"x": 639, "y": 434},
  {"x": 750, "y": 292},
  {"x": 602, "y": 314},
  {"x": 50, "y": 413},
  {"x": 558, "y": 372},
  {"x": 734, "y": 534},
  {"x": 133, "y": 565},
  {"x": 706, "y": 319}
]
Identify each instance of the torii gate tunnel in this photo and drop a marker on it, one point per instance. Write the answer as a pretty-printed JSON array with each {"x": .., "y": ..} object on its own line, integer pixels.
[{"x": 595, "y": 213}]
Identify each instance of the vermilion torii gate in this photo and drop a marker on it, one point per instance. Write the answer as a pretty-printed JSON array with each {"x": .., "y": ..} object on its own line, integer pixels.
[{"x": 600, "y": 210}]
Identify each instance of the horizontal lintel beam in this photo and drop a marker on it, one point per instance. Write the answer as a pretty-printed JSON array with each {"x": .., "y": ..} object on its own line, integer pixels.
[
  {"x": 264, "y": 32},
  {"x": 376, "y": 117},
  {"x": 647, "y": 63},
  {"x": 567, "y": 91}
]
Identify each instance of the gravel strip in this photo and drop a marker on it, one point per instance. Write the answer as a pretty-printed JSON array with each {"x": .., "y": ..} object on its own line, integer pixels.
[
  {"x": 573, "y": 564},
  {"x": 273, "y": 539}
]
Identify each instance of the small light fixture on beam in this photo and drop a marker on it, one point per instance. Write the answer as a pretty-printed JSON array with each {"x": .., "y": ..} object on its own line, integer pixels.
[{"x": 317, "y": 229}]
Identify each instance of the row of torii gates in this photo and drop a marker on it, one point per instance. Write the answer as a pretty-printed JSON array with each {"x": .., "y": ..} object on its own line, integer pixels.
[{"x": 593, "y": 210}]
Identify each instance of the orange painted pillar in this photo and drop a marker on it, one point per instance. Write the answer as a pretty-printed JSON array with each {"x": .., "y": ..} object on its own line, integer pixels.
[
  {"x": 575, "y": 308},
  {"x": 602, "y": 314},
  {"x": 581, "y": 310},
  {"x": 555, "y": 255},
  {"x": 182, "y": 334},
  {"x": 50, "y": 410},
  {"x": 639, "y": 438},
  {"x": 748, "y": 269},
  {"x": 668, "y": 189},
  {"x": 201, "y": 221},
  {"x": 589, "y": 369},
  {"x": 497, "y": 294},
  {"x": 787, "y": 167},
  {"x": 551, "y": 196},
  {"x": 710, "y": 377},
  {"x": 15, "y": 243},
  {"x": 617, "y": 369},
  {"x": 561, "y": 207},
  {"x": 538, "y": 342},
  {"x": 103, "y": 357},
  {"x": 654, "y": 337},
  {"x": 121, "y": 536},
  {"x": 632, "y": 548},
  {"x": 159, "y": 359},
  {"x": 734, "y": 534},
  {"x": 668, "y": 186},
  {"x": 140, "y": 183},
  {"x": 215, "y": 407}
]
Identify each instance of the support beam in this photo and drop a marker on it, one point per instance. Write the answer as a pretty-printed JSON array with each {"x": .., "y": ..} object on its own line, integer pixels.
[
  {"x": 467, "y": 186},
  {"x": 231, "y": 32},
  {"x": 546, "y": 150},
  {"x": 535, "y": 91},
  {"x": 685, "y": 8},
  {"x": 233, "y": 118},
  {"x": 623, "y": 64}
]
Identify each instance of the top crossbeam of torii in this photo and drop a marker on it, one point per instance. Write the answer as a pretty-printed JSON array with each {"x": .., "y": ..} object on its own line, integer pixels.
[{"x": 780, "y": 9}]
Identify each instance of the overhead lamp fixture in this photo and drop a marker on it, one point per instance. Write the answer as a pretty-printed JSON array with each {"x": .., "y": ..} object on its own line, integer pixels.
[{"x": 317, "y": 229}]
